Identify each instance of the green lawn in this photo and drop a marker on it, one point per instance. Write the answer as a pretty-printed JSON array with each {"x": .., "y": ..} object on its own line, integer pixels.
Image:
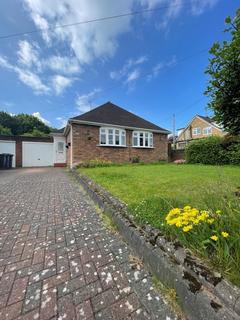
[
  {"x": 133, "y": 183},
  {"x": 150, "y": 191}
]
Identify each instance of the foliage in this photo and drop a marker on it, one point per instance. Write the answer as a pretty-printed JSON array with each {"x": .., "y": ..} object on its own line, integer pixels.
[
  {"x": 136, "y": 159},
  {"x": 95, "y": 163},
  {"x": 214, "y": 150},
  {"x": 224, "y": 84},
  {"x": 5, "y": 131},
  {"x": 213, "y": 234},
  {"x": 35, "y": 133},
  {"x": 23, "y": 123},
  {"x": 151, "y": 191}
]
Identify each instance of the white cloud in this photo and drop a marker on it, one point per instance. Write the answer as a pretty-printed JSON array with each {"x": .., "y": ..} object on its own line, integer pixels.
[
  {"x": 62, "y": 121},
  {"x": 38, "y": 115},
  {"x": 127, "y": 68},
  {"x": 28, "y": 54},
  {"x": 29, "y": 78},
  {"x": 83, "y": 102},
  {"x": 198, "y": 7},
  {"x": 32, "y": 80},
  {"x": 160, "y": 66},
  {"x": 88, "y": 41},
  {"x": 65, "y": 65},
  {"x": 133, "y": 76},
  {"x": 174, "y": 8},
  {"x": 60, "y": 83}
]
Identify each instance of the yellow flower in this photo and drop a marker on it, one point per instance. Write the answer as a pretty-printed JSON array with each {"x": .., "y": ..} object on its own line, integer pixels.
[
  {"x": 210, "y": 221},
  {"x": 218, "y": 212},
  {"x": 187, "y": 228},
  {"x": 214, "y": 238},
  {"x": 225, "y": 234},
  {"x": 186, "y": 208}
]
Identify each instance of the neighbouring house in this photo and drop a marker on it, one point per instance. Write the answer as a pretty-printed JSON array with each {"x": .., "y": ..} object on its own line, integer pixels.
[
  {"x": 107, "y": 132},
  {"x": 199, "y": 127}
]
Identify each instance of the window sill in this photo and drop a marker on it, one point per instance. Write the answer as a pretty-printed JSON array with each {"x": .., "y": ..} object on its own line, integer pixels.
[
  {"x": 139, "y": 147},
  {"x": 110, "y": 145}
]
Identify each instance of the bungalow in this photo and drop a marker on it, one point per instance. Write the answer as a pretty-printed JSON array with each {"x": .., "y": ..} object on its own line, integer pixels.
[{"x": 107, "y": 132}]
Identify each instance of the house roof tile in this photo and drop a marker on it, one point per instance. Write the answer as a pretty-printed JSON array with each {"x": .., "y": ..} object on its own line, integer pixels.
[{"x": 111, "y": 114}]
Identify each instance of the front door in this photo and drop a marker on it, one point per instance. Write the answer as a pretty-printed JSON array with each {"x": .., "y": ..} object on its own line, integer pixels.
[{"x": 60, "y": 150}]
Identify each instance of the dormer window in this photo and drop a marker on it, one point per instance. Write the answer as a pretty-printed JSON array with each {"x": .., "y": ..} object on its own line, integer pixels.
[{"x": 115, "y": 137}]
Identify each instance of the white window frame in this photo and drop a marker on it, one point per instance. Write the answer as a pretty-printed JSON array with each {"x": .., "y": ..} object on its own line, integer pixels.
[
  {"x": 112, "y": 132},
  {"x": 146, "y": 135},
  {"x": 196, "y": 131},
  {"x": 207, "y": 131}
]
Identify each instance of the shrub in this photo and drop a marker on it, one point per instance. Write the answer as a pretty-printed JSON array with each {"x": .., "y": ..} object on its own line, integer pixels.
[
  {"x": 136, "y": 159},
  {"x": 214, "y": 150},
  {"x": 95, "y": 163}
]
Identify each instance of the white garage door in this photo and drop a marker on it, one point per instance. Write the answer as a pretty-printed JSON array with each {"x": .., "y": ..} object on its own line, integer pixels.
[
  {"x": 37, "y": 154},
  {"x": 9, "y": 147}
]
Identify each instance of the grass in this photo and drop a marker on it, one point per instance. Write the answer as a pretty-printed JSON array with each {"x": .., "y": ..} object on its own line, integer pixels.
[
  {"x": 170, "y": 295},
  {"x": 150, "y": 191}
]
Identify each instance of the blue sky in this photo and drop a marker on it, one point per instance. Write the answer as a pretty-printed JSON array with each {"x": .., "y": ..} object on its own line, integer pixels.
[{"x": 151, "y": 64}]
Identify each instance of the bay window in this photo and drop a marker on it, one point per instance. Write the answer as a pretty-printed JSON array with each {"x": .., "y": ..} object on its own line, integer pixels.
[
  {"x": 142, "y": 139},
  {"x": 112, "y": 137}
]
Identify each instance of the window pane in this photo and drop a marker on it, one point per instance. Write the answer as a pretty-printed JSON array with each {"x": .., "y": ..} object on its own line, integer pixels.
[
  {"x": 135, "y": 141},
  {"x": 110, "y": 131},
  {"x": 60, "y": 147},
  {"x": 151, "y": 140},
  {"x": 123, "y": 139},
  {"x": 103, "y": 139},
  {"x": 146, "y": 139},
  {"x": 110, "y": 138},
  {"x": 117, "y": 140},
  {"x": 141, "y": 139}
]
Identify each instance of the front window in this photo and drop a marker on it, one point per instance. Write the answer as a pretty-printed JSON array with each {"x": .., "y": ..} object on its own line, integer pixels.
[
  {"x": 207, "y": 131},
  {"x": 112, "y": 137},
  {"x": 196, "y": 131},
  {"x": 60, "y": 147},
  {"x": 142, "y": 139}
]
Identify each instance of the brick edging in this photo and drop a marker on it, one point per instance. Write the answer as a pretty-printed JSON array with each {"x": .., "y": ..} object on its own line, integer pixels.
[{"x": 201, "y": 293}]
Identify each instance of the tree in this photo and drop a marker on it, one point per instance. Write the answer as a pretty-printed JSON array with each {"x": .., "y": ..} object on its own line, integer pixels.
[
  {"x": 28, "y": 123},
  {"x": 23, "y": 123},
  {"x": 8, "y": 121},
  {"x": 224, "y": 84},
  {"x": 35, "y": 133},
  {"x": 5, "y": 131}
]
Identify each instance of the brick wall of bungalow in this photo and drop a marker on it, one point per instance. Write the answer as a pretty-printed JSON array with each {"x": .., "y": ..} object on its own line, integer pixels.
[
  {"x": 198, "y": 123},
  {"x": 85, "y": 147}
]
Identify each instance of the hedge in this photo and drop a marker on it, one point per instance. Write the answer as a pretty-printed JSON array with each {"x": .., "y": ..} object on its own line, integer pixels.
[{"x": 214, "y": 150}]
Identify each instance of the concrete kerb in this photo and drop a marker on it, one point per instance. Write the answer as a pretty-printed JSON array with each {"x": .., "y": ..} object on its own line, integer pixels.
[{"x": 201, "y": 293}]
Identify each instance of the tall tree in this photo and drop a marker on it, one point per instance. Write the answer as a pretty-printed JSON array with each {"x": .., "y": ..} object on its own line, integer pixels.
[
  {"x": 224, "y": 84},
  {"x": 28, "y": 123},
  {"x": 8, "y": 121},
  {"x": 5, "y": 131},
  {"x": 23, "y": 123}
]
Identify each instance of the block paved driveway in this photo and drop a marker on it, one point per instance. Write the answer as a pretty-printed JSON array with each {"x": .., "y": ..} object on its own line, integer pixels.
[{"x": 58, "y": 260}]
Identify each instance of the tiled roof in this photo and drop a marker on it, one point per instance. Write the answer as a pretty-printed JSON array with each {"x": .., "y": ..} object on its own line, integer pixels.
[{"x": 111, "y": 114}]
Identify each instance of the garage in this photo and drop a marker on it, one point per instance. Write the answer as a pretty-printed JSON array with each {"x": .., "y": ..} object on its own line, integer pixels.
[
  {"x": 37, "y": 154},
  {"x": 9, "y": 147}
]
